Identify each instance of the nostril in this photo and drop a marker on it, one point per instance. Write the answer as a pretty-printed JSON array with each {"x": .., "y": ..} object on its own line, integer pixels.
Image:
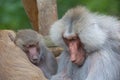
[
  {"x": 73, "y": 60},
  {"x": 35, "y": 59}
]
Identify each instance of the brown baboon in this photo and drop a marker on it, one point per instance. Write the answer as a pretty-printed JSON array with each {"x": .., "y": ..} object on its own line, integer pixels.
[
  {"x": 14, "y": 64},
  {"x": 33, "y": 45}
]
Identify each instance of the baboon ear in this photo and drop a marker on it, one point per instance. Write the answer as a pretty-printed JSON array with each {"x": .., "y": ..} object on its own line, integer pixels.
[{"x": 11, "y": 37}]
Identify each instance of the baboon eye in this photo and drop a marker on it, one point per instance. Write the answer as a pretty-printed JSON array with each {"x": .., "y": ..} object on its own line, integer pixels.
[
  {"x": 74, "y": 37},
  {"x": 32, "y": 45},
  {"x": 27, "y": 46},
  {"x": 37, "y": 43},
  {"x": 24, "y": 45}
]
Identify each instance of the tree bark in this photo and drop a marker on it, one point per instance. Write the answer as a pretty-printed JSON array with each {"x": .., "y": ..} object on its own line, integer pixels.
[
  {"x": 42, "y": 14},
  {"x": 31, "y": 9},
  {"x": 47, "y": 15}
]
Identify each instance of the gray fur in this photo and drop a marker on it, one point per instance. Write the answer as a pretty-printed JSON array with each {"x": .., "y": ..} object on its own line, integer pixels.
[
  {"x": 47, "y": 61},
  {"x": 100, "y": 35}
]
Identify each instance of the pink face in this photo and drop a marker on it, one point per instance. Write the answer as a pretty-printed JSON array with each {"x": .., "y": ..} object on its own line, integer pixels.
[
  {"x": 32, "y": 51},
  {"x": 77, "y": 53}
]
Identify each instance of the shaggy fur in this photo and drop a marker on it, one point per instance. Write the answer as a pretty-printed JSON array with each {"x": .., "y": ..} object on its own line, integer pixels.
[{"x": 101, "y": 38}]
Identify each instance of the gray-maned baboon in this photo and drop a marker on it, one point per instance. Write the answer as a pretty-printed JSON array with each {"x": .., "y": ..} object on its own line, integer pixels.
[
  {"x": 14, "y": 64},
  {"x": 33, "y": 45},
  {"x": 91, "y": 45}
]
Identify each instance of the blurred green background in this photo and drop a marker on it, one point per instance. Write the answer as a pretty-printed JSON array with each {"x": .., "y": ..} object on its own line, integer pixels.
[{"x": 13, "y": 16}]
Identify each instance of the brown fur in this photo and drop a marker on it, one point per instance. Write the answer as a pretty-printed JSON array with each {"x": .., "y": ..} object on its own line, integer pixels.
[
  {"x": 6, "y": 34},
  {"x": 14, "y": 64},
  {"x": 33, "y": 45}
]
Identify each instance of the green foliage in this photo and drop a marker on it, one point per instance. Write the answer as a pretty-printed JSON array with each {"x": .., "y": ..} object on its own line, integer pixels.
[
  {"x": 111, "y": 7},
  {"x": 13, "y": 16}
]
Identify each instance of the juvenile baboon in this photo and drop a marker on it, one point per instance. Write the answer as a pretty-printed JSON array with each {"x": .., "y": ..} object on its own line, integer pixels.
[
  {"x": 91, "y": 45},
  {"x": 33, "y": 45},
  {"x": 14, "y": 64}
]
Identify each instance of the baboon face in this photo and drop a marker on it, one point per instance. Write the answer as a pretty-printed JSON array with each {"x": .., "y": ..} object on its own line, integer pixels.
[
  {"x": 77, "y": 53},
  {"x": 32, "y": 51},
  {"x": 29, "y": 42}
]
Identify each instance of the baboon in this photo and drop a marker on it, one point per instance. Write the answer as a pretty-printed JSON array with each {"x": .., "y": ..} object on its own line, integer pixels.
[
  {"x": 91, "y": 45},
  {"x": 14, "y": 64},
  {"x": 33, "y": 45}
]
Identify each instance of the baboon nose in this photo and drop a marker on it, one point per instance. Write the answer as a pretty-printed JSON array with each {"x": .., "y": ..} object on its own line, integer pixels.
[
  {"x": 35, "y": 58},
  {"x": 73, "y": 61},
  {"x": 35, "y": 61},
  {"x": 73, "y": 58}
]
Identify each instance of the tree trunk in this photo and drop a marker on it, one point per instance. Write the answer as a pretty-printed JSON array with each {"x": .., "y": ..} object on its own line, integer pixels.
[
  {"x": 31, "y": 9},
  {"x": 42, "y": 14},
  {"x": 47, "y": 15}
]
